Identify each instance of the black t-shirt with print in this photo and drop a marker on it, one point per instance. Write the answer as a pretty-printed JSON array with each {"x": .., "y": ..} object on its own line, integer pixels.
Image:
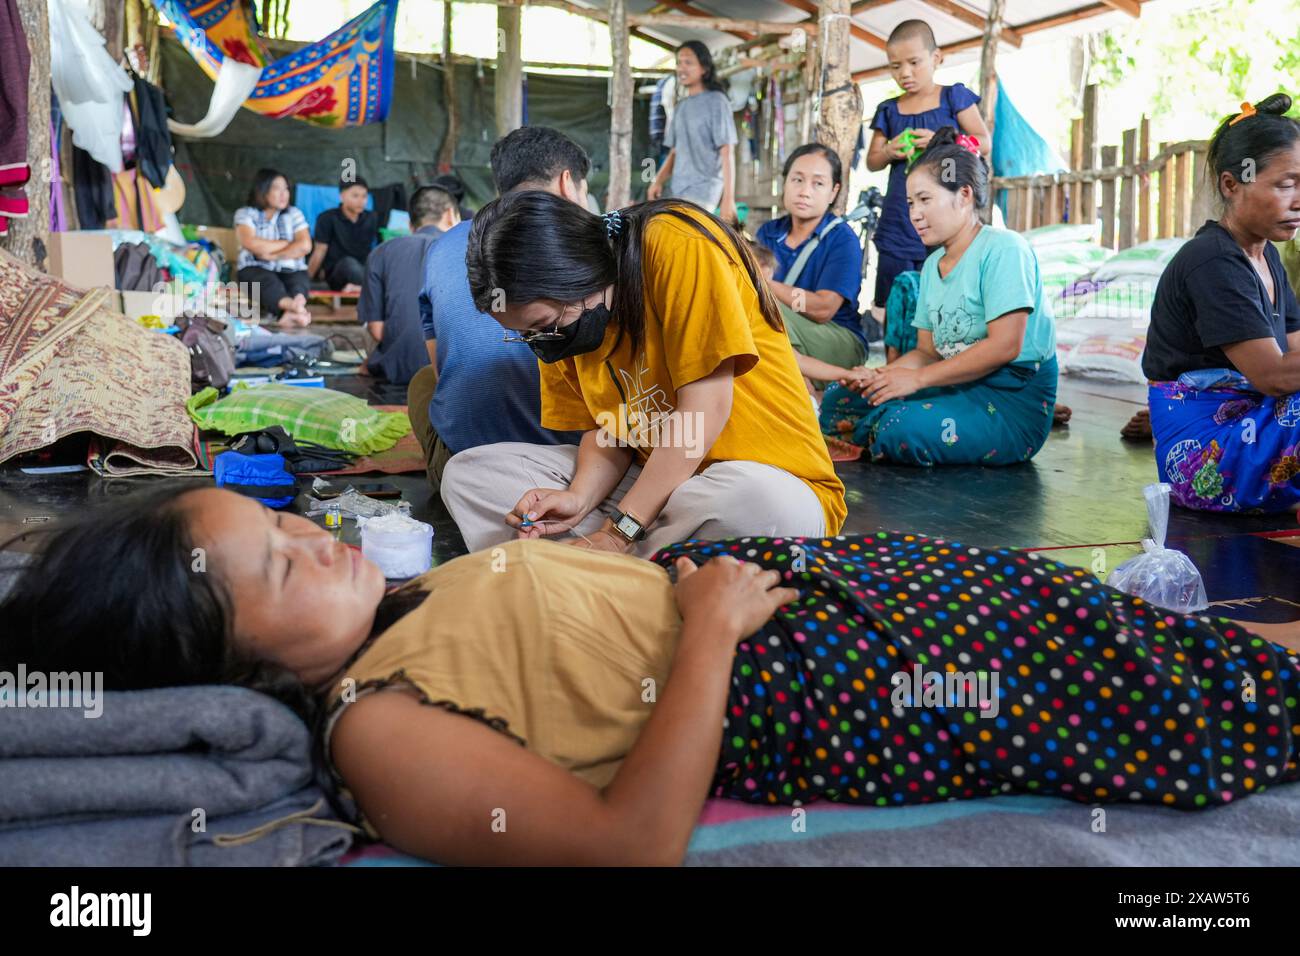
[{"x": 1211, "y": 296}]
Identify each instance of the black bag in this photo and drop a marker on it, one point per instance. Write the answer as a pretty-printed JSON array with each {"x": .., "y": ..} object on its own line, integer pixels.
[
  {"x": 135, "y": 269},
  {"x": 301, "y": 457}
]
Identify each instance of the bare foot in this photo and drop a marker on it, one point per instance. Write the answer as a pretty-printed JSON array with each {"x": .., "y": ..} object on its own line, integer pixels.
[
  {"x": 1138, "y": 428},
  {"x": 351, "y": 289},
  {"x": 1061, "y": 415},
  {"x": 299, "y": 303}
]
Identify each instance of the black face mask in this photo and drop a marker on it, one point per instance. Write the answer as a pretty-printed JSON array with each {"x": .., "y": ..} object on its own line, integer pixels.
[{"x": 583, "y": 335}]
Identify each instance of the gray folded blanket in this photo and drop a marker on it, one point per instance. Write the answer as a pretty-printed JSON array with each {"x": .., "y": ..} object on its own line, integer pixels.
[{"x": 163, "y": 777}]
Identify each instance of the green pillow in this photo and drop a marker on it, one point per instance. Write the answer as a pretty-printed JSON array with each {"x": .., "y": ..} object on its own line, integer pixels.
[{"x": 320, "y": 415}]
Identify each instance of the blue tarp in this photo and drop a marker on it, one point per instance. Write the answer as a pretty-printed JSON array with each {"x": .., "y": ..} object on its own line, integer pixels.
[{"x": 1018, "y": 150}]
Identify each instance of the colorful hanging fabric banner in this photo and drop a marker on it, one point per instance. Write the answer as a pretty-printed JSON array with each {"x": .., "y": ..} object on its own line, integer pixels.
[{"x": 346, "y": 79}]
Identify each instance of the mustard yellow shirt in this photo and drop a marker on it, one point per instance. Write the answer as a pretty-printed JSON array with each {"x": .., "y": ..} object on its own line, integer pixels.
[
  {"x": 701, "y": 309},
  {"x": 562, "y": 648}
]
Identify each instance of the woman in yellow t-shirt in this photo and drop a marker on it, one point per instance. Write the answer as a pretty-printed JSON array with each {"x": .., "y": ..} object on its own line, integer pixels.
[{"x": 661, "y": 343}]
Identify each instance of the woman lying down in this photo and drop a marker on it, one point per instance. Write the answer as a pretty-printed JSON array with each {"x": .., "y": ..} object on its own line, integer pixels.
[{"x": 539, "y": 703}]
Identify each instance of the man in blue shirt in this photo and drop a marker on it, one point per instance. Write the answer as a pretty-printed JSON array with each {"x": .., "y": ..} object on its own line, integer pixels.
[{"x": 479, "y": 389}]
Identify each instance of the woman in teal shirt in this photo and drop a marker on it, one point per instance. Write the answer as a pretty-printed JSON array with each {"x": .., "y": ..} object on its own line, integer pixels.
[{"x": 980, "y": 385}]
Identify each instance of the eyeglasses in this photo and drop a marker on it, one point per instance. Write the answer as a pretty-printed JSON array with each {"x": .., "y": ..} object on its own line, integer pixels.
[{"x": 541, "y": 335}]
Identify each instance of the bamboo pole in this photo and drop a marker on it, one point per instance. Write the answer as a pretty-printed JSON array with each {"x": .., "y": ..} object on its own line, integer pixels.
[{"x": 722, "y": 24}]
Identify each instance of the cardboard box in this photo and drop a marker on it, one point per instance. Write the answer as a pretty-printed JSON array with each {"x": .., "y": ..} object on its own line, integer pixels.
[
  {"x": 136, "y": 304},
  {"x": 84, "y": 260},
  {"x": 226, "y": 239}
]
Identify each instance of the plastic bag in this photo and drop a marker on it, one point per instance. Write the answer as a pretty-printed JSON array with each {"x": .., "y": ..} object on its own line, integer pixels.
[
  {"x": 353, "y": 504},
  {"x": 1160, "y": 575}
]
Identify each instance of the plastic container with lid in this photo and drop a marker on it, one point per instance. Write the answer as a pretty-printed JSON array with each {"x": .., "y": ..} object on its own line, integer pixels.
[{"x": 400, "y": 545}]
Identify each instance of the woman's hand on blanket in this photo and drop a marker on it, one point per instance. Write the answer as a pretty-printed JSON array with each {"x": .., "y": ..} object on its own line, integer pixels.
[
  {"x": 730, "y": 598},
  {"x": 893, "y": 381},
  {"x": 546, "y": 511}
]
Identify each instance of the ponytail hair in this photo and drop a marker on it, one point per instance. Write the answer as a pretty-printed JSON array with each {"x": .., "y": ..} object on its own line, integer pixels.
[
  {"x": 954, "y": 166},
  {"x": 1250, "y": 142},
  {"x": 529, "y": 245}
]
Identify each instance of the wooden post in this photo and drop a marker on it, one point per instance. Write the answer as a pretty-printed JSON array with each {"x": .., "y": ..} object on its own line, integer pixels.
[
  {"x": 28, "y": 238},
  {"x": 840, "y": 116},
  {"x": 1088, "y": 191},
  {"x": 447, "y": 154},
  {"x": 509, "y": 83},
  {"x": 1165, "y": 202},
  {"x": 989, "y": 81},
  {"x": 620, "y": 129},
  {"x": 108, "y": 17},
  {"x": 805, "y": 101},
  {"x": 1076, "y": 163},
  {"x": 1109, "y": 157},
  {"x": 988, "y": 66},
  {"x": 1144, "y": 183},
  {"x": 1126, "y": 192},
  {"x": 1182, "y": 191}
]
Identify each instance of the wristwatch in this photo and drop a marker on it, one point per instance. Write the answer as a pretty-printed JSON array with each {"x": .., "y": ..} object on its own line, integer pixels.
[{"x": 628, "y": 527}]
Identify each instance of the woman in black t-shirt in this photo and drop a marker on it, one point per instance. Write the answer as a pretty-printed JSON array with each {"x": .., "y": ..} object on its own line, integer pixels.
[{"x": 1223, "y": 349}]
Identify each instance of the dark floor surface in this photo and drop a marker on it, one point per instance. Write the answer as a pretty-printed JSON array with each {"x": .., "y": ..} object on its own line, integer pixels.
[{"x": 1079, "y": 501}]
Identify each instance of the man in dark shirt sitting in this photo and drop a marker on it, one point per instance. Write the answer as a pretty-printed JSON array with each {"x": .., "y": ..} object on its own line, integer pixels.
[
  {"x": 343, "y": 238},
  {"x": 389, "y": 306}
]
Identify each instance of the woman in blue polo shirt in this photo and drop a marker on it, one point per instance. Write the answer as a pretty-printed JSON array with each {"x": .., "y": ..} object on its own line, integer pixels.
[
  {"x": 1223, "y": 349},
  {"x": 980, "y": 385},
  {"x": 824, "y": 293}
]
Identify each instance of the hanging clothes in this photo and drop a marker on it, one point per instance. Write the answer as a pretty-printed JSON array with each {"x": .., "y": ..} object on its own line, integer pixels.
[
  {"x": 91, "y": 87},
  {"x": 93, "y": 186},
  {"x": 14, "y": 171},
  {"x": 153, "y": 141},
  {"x": 136, "y": 207}
]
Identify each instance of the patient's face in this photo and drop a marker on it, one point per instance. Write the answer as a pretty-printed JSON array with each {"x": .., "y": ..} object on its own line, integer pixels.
[{"x": 301, "y": 598}]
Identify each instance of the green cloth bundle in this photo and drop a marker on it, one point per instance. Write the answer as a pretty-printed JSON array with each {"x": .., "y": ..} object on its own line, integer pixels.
[{"x": 321, "y": 415}]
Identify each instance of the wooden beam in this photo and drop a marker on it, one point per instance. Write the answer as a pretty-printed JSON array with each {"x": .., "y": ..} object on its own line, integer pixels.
[
  {"x": 721, "y": 24},
  {"x": 1060, "y": 19},
  {"x": 875, "y": 71},
  {"x": 862, "y": 34},
  {"x": 28, "y": 238},
  {"x": 1131, "y": 7},
  {"x": 620, "y": 128},
  {"x": 508, "y": 92},
  {"x": 693, "y": 11},
  {"x": 972, "y": 18},
  {"x": 840, "y": 117}
]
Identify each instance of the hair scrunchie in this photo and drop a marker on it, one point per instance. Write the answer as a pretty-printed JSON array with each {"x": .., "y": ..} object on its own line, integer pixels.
[
  {"x": 613, "y": 223},
  {"x": 969, "y": 143}
]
